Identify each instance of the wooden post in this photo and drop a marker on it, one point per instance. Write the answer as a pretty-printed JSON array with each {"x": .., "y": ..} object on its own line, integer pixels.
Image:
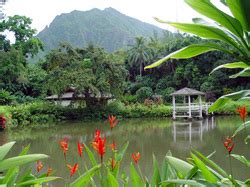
[
  {"x": 189, "y": 108},
  {"x": 207, "y": 109},
  {"x": 200, "y": 107},
  {"x": 174, "y": 132},
  {"x": 174, "y": 112},
  {"x": 190, "y": 132}
]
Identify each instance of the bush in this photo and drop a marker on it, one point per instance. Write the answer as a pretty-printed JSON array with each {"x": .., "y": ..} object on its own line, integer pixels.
[
  {"x": 6, "y": 98},
  {"x": 115, "y": 107},
  {"x": 144, "y": 93},
  {"x": 166, "y": 94},
  {"x": 128, "y": 99}
]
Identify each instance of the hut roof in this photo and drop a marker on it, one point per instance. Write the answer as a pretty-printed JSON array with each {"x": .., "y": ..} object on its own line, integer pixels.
[
  {"x": 70, "y": 96},
  {"x": 187, "y": 91}
]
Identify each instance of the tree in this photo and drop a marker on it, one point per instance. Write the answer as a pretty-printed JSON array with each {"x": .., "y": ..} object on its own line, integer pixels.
[
  {"x": 139, "y": 53},
  {"x": 13, "y": 56},
  {"x": 24, "y": 35},
  {"x": 232, "y": 31},
  {"x": 90, "y": 71}
]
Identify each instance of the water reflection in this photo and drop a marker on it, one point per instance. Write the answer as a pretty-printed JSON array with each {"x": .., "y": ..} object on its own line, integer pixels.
[{"x": 183, "y": 130}]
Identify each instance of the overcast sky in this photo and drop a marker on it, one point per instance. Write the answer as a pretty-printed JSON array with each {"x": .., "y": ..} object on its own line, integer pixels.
[{"x": 43, "y": 12}]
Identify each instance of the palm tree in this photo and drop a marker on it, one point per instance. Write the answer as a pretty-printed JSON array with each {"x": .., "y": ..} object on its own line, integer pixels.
[{"x": 139, "y": 53}]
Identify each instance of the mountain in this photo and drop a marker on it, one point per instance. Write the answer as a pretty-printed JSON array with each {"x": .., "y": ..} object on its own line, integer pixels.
[{"x": 107, "y": 28}]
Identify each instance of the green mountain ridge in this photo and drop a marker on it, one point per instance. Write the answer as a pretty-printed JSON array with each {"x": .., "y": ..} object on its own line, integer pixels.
[{"x": 107, "y": 28}]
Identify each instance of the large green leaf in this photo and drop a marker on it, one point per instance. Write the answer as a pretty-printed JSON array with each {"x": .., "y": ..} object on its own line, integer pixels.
[
  {"x": 204, "y": 31},
  {"x": 135, "y": 177},
  {"x": 122, "y": 152},
  {"x": 90, "y": 155},
  {"x": 4, "y": 149},
  {"x": 243, "y": 73},
  {"x": 242, "y": 159},
  {"x": 167, "y": 171},
  {"x": 37, "y": 181},
  {"x": 204, "y": 170},
  {"x": 241, "y": 127},
  {"x": 212, "y": 164},
  {"x": 182, "y": 181},
  {"x": 224, "y": 99},
  {"x": 180, "y": 166},
  {"x": 240, "y": 10},
  {"x": 84, "y": 179},
  {"x": 20, "y": 160},
  {"x": 189, "y": 52},
  {"x": 206, "y": 8},
  {"x": 112, "y": 181},
  {"x": 156, "y": 178},
  {"x": 233, "y": 65}
]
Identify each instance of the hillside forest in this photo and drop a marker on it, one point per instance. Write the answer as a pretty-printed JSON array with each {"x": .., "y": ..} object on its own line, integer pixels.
[{"x": 91, "y": 70}]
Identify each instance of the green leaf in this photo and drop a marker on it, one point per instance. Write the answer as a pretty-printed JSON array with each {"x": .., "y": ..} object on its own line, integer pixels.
[
  {"x": 90, "y": 155},
  {"x": 84, "y": 179},
  {"x": 122, "y": 152},
  {"x": 189, "y": 52},
  {"x": 233, "y": 65},
  {"x": 204, "y": 31},
  {"x": 182, "y": 181},
  {"x": 246, "y": 139},
  {"x": 112, "y": 181},
  {"x": 135, "y": 177},
  {"x": 20, "y": 160},
  {"x": 243, "y": 73},
  {"x": 156, "y": 178},
  {"x": 212, "y": 164},
  {"x": 240, "y": 10},
  {"x": 206, "y": 8},
  {"x": 180, "y": 166},
  {"x": 204, "y": 170},
  {"x": 167, "y": 171},
  {"x": 224, "y": 99},
  {"x": 242, "y": 159},
  {"x": 4, "y": 149},
  {"x": 38, "y": 181},
  {"x": 241, "y": 127}
]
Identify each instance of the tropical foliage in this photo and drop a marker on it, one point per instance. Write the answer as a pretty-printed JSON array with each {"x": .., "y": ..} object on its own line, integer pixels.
[
  {"x": 11, "y": 168},
  {"x": 232, "y": 31}
]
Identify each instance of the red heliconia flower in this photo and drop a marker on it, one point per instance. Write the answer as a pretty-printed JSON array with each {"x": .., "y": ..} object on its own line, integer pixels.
[
  {"x": 112, "y": 163},
  {"x": 99, "y": 146},
  {"x": 113, "y": 146},
  {"x": 64, "y": 145},
  {"x": 80, "y": 148},
  {"x": 2, "y": 121},
  {"x": 112, "y": 121},
  {"x": 73, "y": 169},
  {"x": 136, "y": 157},
  {"x": 39, "y": 166},
  {"x": 228, "y": 144},
  {"x": 49, "y": 171},
  {"x": 97, "y": 135},
  {"x": 243, "y": 112}
]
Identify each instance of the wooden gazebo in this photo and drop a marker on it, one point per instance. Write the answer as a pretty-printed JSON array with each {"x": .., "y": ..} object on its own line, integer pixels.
[{"x": 188, "y": 109}]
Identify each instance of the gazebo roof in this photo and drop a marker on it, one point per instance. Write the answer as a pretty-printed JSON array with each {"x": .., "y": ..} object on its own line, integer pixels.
[{"x": 187, "y": 91}]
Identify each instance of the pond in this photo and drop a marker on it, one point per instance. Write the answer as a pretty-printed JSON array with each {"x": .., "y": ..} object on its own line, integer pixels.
[{"x": 147, "y": 136}]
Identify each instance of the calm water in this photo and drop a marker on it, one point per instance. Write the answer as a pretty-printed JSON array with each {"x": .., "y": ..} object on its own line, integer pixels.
[{"x": 147, "y": 136}]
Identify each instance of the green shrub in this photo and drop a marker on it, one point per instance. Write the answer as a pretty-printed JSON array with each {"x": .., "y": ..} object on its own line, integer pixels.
[
  {"x": 129, "y": 99},
  {"x": 166, "y": 94},
  {"x": 6, "y": 98},
  {"x": 144, "y": 93},
  {"x": 115, "y": 107}
]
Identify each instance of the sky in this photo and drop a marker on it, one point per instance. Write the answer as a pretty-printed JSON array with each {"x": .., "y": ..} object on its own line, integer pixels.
[{"x": 43, "y": 12}]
